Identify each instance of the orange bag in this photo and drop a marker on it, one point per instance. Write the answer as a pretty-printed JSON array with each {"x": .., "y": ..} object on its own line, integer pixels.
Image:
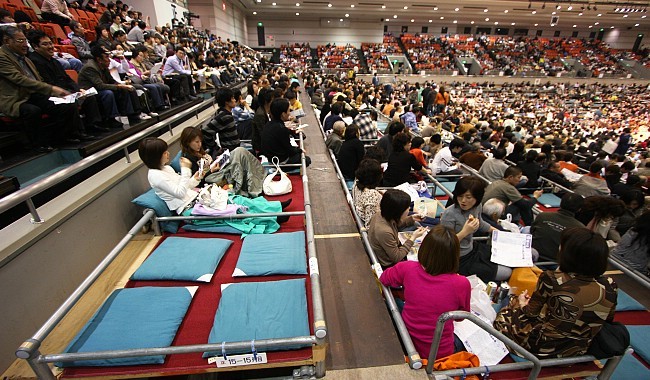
[
  {"x": 458, "y": 360},
  {"x": 524, "y": 279}
]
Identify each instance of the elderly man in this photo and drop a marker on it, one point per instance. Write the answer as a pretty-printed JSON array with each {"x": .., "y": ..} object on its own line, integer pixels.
[
  {"x": 26, "y": 96},
  {"x": 175, "y": 67},
  {"x": 335, "y": 139},
  {"x": 78, "y": 39}
]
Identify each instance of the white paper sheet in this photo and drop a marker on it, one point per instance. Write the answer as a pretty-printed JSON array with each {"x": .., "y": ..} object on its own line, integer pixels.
[
  {"x": 512, "y": 250},
  {"x": 479, "y": 342}
]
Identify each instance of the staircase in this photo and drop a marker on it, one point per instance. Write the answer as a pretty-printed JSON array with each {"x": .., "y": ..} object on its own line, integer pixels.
[
  {"x": 362, "y": 59},
  {"x": 407, "y": 55},
  {"x": 635, "y": 68}
]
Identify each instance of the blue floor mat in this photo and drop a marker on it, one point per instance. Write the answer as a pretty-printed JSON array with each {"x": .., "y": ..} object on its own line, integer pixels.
[
  {"x": 626, "y": 303},
  {"x": 640, "y": 341},
  {"x": 630, "y": 368}
]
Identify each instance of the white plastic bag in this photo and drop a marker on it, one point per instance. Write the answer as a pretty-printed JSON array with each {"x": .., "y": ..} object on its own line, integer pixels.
[
  {"x": 214, "y": 197},
  {"x": 507, "y": 224},
  {"x": 480, "y": 302}
]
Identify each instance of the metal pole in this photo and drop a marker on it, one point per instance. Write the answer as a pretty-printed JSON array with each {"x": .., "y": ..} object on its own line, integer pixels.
[
  {"x": 635, "y": 275},
  {"x": 228, "y": 217},
  {"x": 36, "y": 219},
  {"x": 27, "y": 349},
  {"x": 126, "y": 154},
  {"x": 42, "y": 370},
  {"x": 611, "y": 365}
]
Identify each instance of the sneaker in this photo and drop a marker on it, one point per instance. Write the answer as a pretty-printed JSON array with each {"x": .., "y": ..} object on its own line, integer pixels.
[
  {"x": 153, "y": 114},
  {"x": 144, "y": 116}
]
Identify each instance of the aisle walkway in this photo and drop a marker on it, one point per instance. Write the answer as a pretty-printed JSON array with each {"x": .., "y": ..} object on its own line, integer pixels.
[{"x": 361, "y": 333}]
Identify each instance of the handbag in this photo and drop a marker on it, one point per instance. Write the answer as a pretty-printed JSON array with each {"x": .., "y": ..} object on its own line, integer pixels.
[{"x": 281, "y": 187}]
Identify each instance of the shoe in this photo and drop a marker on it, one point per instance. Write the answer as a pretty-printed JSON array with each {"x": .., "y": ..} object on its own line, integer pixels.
[
  {"x": 144, "y": 116},
  {"x": 282, "y": 219},
  {"x": 99, "y": 128},
  {"x": 84, "y": 137},
  {"x": 153, "y": 114},
  {"x": 43, "y": 149},
  {"x": 286, "y": 203}
]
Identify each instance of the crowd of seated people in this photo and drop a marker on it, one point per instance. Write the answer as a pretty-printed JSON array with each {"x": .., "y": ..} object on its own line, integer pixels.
[
  {"x": 115, "y": 50},
  {"x": 295, "y": 55},
  {"x": 377, "y": 54},
  {"x": 429, "y": 52},
  {"x": 341, "y": 57},
  {"x": 547, "y": 136}
]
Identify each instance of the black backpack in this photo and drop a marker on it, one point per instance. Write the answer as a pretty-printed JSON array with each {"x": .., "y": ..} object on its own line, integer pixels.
[{"x": 612, "y": 340}]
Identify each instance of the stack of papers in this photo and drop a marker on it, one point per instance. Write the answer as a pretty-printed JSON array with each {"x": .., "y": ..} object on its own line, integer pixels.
[{"x": 73, "y": 97}]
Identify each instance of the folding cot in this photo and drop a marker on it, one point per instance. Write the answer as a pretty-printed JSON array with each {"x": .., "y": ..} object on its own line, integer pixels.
[{"x": 281, "y": 338}]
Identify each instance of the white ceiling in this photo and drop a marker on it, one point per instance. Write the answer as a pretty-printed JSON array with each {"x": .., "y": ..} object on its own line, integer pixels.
[{"x": 519, "y": 12}]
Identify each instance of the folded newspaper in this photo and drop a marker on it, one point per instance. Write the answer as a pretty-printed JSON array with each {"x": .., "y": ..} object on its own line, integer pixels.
[{"x": 73, "y": 97}]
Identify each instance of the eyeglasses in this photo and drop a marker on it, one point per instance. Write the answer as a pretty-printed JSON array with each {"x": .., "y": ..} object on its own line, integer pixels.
[{"x": 20, "y": 40}]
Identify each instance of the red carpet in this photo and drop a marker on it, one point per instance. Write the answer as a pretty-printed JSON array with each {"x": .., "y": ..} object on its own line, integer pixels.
[{"x": 200, "y": 316}]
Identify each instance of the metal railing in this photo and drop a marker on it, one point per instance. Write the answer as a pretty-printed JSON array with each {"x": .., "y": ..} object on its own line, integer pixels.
[
  {"x": 533, "y": 362},
  {"x": 29, "y": 192}
]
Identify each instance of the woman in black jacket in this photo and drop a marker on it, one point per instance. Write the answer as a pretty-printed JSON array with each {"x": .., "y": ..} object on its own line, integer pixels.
[
  {"x": 400, "y": 162},
  {"x": 276, "y": 137},
  {"x": 351, "y": 152}
]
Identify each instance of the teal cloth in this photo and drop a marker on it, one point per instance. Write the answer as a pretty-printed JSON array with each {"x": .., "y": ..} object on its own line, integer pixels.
[
  {"x": 260, "y": 310},
  {"x": 264, "y": 255},
  {"x": 145, "y": 317},
  {"x": 153, "y": 201},
  {"x": 183, "y": 259},
  {"x": 247, "y": 226}
]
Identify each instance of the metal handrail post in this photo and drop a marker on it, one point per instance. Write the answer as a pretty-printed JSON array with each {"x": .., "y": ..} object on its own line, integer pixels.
[
  {"x": 42, "y": 370},
  {"x": 36, "y": 219},
  {"x": 456, "y": 315},
  {"x": 612, "y": 363},
  {"x": 28, "y": 348}
]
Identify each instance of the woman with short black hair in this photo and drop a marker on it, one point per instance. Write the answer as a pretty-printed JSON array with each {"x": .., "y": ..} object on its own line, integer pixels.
[
  {"x": 569, "y": 305},
  {"x": 276, "y": 137},
  {"x": 365, "y": 196},
  {"x": 384, "y": 227},
  {"x": 401, "y": 161}
]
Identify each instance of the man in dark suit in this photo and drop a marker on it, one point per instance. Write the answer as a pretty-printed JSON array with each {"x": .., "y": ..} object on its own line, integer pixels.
[
  {"x": 52, "y": 72},
  {"x": 24, "y": 95},
  {"x": 116, "y": 98}
]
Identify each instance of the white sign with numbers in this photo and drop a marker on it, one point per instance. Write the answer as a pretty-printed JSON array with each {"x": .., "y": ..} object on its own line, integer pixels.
[{"x": 238, "y": 360}]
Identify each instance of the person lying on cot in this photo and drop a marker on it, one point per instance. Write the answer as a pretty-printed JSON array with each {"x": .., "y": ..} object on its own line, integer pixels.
[
  {"x": 178, "y": 190},
  {"x": 432, "y": 286}
]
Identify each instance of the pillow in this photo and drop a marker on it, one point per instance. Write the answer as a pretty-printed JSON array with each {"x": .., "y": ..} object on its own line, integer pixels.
[
  {"x": 133, "y": 318},
  {"x": 183, "y": 259},
  {"x": 152, "y": 201},
  {"x": 260, "y": 310},
  {"x": 640, "y": 341},
  {"x": 263, "y": 255},
  {"x": 626, "y": 303},
  {"x": 175, "y": 163},
  {"x": 549, "y": 200}
]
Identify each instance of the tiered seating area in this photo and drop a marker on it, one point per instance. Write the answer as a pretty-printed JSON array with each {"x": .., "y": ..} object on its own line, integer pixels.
[
  {"x": 376, "y": 54},
  {"x": 295, "y": 54},
  {"x": 429, "y": 52},
  {"x": 338, "y": 57}
]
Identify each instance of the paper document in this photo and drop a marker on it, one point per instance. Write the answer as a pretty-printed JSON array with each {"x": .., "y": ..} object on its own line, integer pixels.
[
  {"x": 479, "y": 342},
  {"x": 73, "y": 97},
  {"x": 221, "y": 161},
  {"x": 298, "y": 113},
  {"x": 413, "y": 253},
  {"x": 571, "y": 176},
  {"x": 512, "y": 250}
]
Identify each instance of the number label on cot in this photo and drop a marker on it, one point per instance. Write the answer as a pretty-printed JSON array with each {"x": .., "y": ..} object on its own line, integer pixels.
[{"x": 238, "y": 360}]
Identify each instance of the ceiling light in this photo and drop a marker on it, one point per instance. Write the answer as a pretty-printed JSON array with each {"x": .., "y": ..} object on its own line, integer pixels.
[
  {"x": 558, "y": 7},
  {"x": 485, "y": 10},
  {"x": 506, "y": 11},
  {"x": 596, "y": 23},
  {"x": 554, "y": 13},
  {"x": 580, "y": 14},
  {"x": 590, "y": 26},
  {"x": 430, "y": 20},
  {"x": 455, "y": 21},
  {"x": 297, "y": 14},
  {"x": 487, "y": 19},
  {"x": 254, "y": 13},
  {"x": 405, "y": 7},
  {"x": 351, "y": 5},
  {"x": 442, "y": 17},
  {"x": 412, "y": 20},
  {"x": 456, "y": 9},
  {"x": 611, "y": 27},
  {"x": 383, "y": 7},
  {"x": 496, "y": 23},
  {"x": 644, "y": 16},
  {"x": 570, "y": 8},
  {"x": 536, "y": 24},
  {"x": 472, "y": 22},
  {"x": 435, "y": 8},
  {"x": 274, "y": 4},
  {"x": 394, "y": 16},
  {"x": 259, "y": 1},
  {"x": 624, "y": 16},
  {"x": 297, "y": 4},
  {"x": 329, "y": 5},
  {"x": 328, "y": 21},
  {"x": 347, "y": 15},
  {"x": 512, "y": 24},
  {"x": 575, "y": 26},
  {"x": 636, "y": 24},
  {"x": 341, "y": 20},
  {"x": 598, "y": 15},
  {"x": 534, "y": 12}
]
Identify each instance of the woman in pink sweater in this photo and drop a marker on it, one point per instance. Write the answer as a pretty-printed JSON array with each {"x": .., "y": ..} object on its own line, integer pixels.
[{"x": 431, "y": 287}]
